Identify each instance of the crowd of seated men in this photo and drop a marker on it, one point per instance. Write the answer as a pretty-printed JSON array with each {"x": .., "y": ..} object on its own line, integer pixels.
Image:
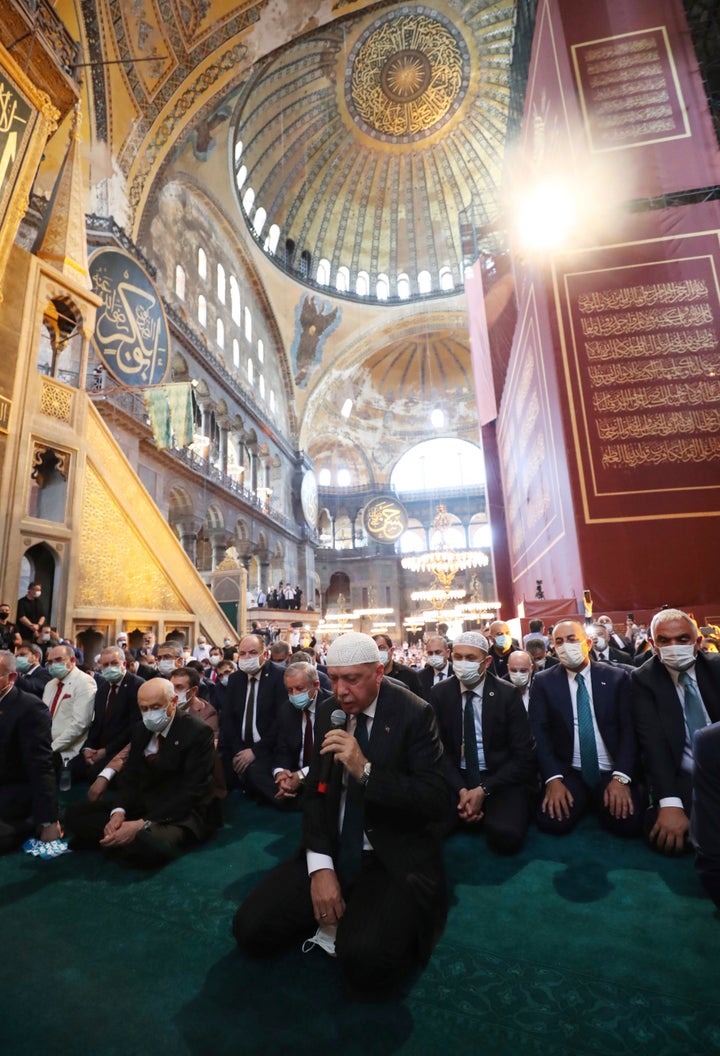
[{"x": 580, "y": 719}]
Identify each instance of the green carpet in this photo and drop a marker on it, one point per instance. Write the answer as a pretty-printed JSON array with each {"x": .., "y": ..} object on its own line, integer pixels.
[{"x": 578, "y": 946}]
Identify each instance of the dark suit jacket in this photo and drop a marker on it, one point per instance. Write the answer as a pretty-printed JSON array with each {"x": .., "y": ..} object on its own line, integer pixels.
[
  {"x": 406, "y": 675},
  {"x": 177, "y": 787},
  {"x": 290, "y": 733},
  {"x": 26, "y": 759},
  {"x": 405, "y": 800},
  {"x": 551, "y": 718},
  {"x": 507, "y": 737},
  {"x": 34, "y": 681},
  {"x": 271, "y": 695},
  {"x": 114, "y": 734},
  {"x": 427, "y": 680},
  {"x": 705, "y": 824},
  {"x": 499, "y": 663},
  {"x": 659, "y": 719}
]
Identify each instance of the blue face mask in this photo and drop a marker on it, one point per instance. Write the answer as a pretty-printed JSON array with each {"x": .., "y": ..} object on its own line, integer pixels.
[
  {"x": 502, "y": 641},
  {"x": 383, "y": 656},
  {"x": 300, "y": 700},
  {"x": 58, "y": 670},
  {"x": 23, "y": 664}
]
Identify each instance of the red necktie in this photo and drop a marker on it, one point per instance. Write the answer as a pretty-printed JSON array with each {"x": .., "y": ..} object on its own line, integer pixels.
[
  {"x": 56, "y": 698},
  {"x": 308, "y": 739}
]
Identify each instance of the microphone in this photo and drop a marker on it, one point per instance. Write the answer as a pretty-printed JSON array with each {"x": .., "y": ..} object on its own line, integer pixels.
[{"x": 337, "y": 722}]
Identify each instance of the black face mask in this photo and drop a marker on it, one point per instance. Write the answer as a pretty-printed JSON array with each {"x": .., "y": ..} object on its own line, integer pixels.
[{"x": 4, "y": 615}]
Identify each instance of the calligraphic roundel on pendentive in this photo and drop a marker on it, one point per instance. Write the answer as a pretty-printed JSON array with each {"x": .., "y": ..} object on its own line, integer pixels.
[
  {"x": 385, "y": 519},
  {"x": 309, "y": 498},
  {"x": 131, "y": 339}
]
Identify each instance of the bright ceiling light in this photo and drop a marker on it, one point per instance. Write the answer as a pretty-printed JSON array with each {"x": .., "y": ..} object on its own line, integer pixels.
[
  {"x": 437, "y": 418},
  {"x": 546, "y": 215}
]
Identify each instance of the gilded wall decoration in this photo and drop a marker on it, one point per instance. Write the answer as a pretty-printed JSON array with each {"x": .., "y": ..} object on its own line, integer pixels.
[
  {"x": 116, "y": 570},
  {"x": 55, "y": 400},
  {"x": 315, "y": 321},
  {"x": 407, "y": 74}
]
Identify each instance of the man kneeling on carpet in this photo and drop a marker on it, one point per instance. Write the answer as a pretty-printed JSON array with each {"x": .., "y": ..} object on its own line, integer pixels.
[
  {"x": 165, "y": 790},
  {"x": 370, "y": 870}
]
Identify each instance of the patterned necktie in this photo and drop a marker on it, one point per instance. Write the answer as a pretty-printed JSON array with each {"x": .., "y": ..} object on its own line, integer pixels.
[
  {"x": 472, "y": 765},
  {"x": 250, "y": 713},
  {"x": 694, "y": 710},
  {"x": 308, "y": 739},
  {"x": 589, "y": 766},
  {"x": 351, "y": 836}
]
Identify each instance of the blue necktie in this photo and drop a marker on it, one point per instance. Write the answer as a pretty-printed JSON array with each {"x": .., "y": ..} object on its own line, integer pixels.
[
  {"x": 352, "y": 833},
  {"x": 694, "y": 711},
  {"x": 472, "y": 765},
  {"x": 589, "y": 766}
]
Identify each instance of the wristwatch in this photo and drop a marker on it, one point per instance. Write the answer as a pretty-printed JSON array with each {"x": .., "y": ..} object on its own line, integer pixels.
[
  {"x": 621, "y": 778},
  {"x": 485, "y": 789},
  {"x": 365, "y": 776}
]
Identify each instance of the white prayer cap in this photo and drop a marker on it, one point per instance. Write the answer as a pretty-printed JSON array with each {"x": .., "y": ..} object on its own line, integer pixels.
[
  {"x": 473, "y": 638},
  {"x": 352, "y": 648}
]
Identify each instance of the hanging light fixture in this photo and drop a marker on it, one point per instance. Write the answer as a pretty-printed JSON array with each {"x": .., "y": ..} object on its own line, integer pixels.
[{"x": 443, "y": 562}]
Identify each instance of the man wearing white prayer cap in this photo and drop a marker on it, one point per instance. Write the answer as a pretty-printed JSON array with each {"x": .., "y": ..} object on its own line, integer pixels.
[
  {"x": 489, "y": 758},
  {"x": 370, "y": 872}
]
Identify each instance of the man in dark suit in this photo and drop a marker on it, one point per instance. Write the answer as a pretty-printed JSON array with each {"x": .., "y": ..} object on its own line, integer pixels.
[
  {"x": 541, "y": 658},
  {"x": 32, "y": 676},
  {"x": 378, "y": 881},
  {"x": 501, "y": 644},
  {"x": 705, "y": 823},
  {"x": 439, "y": 665},
  {"x": 296, "y": 731},
  {"x": 586, "y": 744},
  {"x": 489, "y": 761},
  {"x": 28, "y": 786},
  {"x": 249, "y": 717},
  {"x": 116, "y": 712},
  {"x": 392, "y": 669},
  {"x": 165, "y": 789},
  {"x": 673, "y": 695},
  {"x": 602, "y": 650}
]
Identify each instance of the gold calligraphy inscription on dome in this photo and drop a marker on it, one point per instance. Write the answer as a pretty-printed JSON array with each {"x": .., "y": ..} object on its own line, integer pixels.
[
  {"x": 385, "y": 519},
  {"x": 406, "y": 76}
]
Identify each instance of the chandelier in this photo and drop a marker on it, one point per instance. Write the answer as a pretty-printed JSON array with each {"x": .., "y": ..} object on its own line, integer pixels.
[{"x": 444, "y": 562}]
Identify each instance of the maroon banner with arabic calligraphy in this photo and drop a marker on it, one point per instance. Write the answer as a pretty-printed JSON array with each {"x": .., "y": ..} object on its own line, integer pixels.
[
  {"x": 640, "y": 337},
  {"x": 618, "y": 85}
]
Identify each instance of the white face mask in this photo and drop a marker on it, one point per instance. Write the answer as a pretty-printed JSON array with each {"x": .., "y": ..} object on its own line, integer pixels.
[
  {"x": 678, "y": 657},
  {"x": 250, "y": 666},
  {"x": 600, "y": 644},
  {"x": 571, "y": 654},
  {"x": 540, "y": 664},
  {"x": 156, "y": 720},
  {"x": 215, "y": 660},
  {"x": 182, "y": 700},
  {"x": 468, "y": 671},
  {"x": 519, "y": 678},
  {"x": 383, "y": 656},
  {"x": 438, "y": 662},
  {"x": 166, "y": 667}
]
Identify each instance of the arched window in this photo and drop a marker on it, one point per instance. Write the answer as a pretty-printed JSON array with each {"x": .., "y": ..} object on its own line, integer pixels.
[
  {"x": 180, "y": 281},
  {"x": 382, "y": 288},
  {"x": 202, "y": 310},
  {"x": 424, "y": 282},
  {"x": 251, "y": 370},
  {"x": 236, "y": 352},
  {"x": 342, "y": 283},
  {"x": 324, "y": 478},
  {"x": 248, "y": 324},
  {"x": 221, "y": 283},
  {"x": 238, "y": 150},
  {"x": 220, "y": 333},
  {"x": 248, "y": 200},
  {"x": 362, "y": 284},
  {"x": 305, "y": 263},
  {"x": 272, "y": 239},
  {"x": 446, "y": 280},
  {"x": 261, "y": 383},
  {"x": 202, "y": 263},
  {"x": 344, "y": 478},
  {"x": 323, "y": 272},
  {"x": 241, "y": 177},
  {"x": 261, "y": 350},
  {"x": 272, "y": 399},
  {"x": 403, "y": 286},
  {"x": 259, "y": 221},
  {"x": 235, "y": 300},
  {"x": 457, "y": 463}
]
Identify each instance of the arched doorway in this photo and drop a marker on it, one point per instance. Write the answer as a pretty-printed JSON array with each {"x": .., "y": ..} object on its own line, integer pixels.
[{"x": 39, "y": 565}]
